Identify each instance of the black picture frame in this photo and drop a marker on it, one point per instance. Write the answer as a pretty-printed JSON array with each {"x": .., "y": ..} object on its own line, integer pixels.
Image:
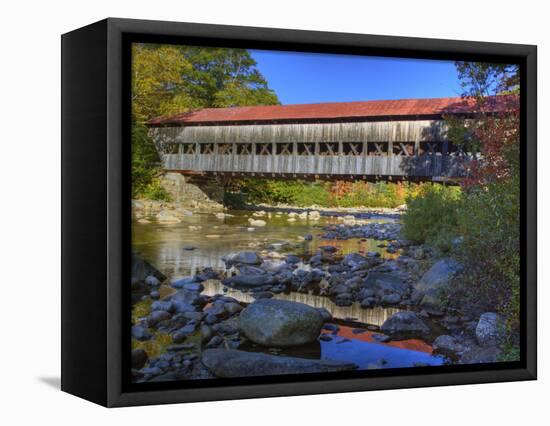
[{"x": 96, "y": 210}]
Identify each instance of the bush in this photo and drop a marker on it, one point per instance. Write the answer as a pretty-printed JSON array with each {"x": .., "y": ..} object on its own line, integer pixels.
[
  {"x": 325, "y": 194},
  {"x": 432, "y": 216},
  {"x": 489, "y": 222},
  {"x": 299, "y": 193},
  {"x": 146, "y": 168},
  {"x": 487, "y": 219},
  {"x": 155, "y": 191}
]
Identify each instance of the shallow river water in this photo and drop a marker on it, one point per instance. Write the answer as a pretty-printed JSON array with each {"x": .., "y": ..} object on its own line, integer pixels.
[{"x": 167, "y": 247}]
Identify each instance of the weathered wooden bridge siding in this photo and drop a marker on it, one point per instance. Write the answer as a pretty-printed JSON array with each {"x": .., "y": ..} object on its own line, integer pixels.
[{"x": 416, "y": 148}]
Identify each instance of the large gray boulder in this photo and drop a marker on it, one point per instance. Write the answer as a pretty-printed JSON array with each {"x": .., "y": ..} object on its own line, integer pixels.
[
  {"x": 235, "y": 363},
  {"x": 280, "y": 323},
  {"x": 490, "y": 330},
  {"x": 381, "y": 283},
  {"x": 404, "y": 322},
  {"x": 428, "y": 291}
]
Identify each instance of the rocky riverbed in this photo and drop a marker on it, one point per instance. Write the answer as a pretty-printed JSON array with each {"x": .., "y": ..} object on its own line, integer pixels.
[{"x": 231, "y": 294}]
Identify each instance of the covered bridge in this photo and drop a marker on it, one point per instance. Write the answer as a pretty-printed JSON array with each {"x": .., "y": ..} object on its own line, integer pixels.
[{"x": 394, "y": 139}]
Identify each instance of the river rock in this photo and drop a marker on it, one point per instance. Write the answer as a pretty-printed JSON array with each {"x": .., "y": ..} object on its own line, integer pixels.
[
  {"x": 207, "y": 274},
  {"x": 234, "y": 363},
  {"x": 187, "y": 296},
  {"x": 166, "y": 217},
  {"x": 157, "y": 316},
  {"x": 189, "y": 283},
  {"x": 382, "y": 338},
  {"x": 303, "y": 279},
  {"x": 186, "y": 301},
  {"x": 141, "y": 333},
  {"x": 367, "y": 302},
  {"x": 244, "y": 257},
  {"x": 325, "y": 314},
  {"x": 214, "y": 341},
  {"x": 181, "y": 334},
  {"x": 152, "y": 281},
  {"x": 391, "y": 299},
  {"x": 353, "y": 260},
  {"x": 314, "y": 215},
  {"x": 344, "y": 299},
  {"x": 139, "y": 358},
  {"x": 490, "y": 330},
  {"x": 249, "y": 280},
  {"x": 447, "y": 344},
  {"x": 382, "y": 283},
  {"x": 142, "y": 270},
  {"x": 404, "y": 322},
  {"x": 257, "y": 222},
  {"x": 292, "y": 259},
  {"x": 280, "y": 323},
  {"x": 162, "y": 305},
  {"x": 274, "y": 266},
  {"x": 232, "y": 308},
  {"x": 480, "y": 355},
  {"x": 433, "y": 282}
]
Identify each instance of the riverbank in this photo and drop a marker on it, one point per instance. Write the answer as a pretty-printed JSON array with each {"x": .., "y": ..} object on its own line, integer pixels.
[
  {"x": 169, "y": 211},
  {"x": 374, "y": 291},
  {"x": 359, "y": 212}
]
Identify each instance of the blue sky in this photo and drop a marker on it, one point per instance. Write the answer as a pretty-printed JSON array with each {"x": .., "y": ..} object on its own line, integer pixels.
[{"x": 312, "y": 77}]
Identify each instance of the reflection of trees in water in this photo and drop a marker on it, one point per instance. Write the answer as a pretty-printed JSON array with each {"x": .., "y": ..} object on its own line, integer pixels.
[
  {"x": 164, "y": 245},
  {"x": 176, "y": 261},
  {"x": 374, "y": 316}
]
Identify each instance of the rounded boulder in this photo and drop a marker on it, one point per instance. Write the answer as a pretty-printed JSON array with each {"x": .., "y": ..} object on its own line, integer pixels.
[{"x": 280, "y": 323}]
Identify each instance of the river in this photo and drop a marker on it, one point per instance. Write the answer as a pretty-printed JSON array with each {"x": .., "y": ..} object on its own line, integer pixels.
[{"x": 202, "y": 239}]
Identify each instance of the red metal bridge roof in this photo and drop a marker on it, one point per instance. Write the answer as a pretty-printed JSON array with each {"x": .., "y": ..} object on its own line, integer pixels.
[{"x": 334, "y": 111}]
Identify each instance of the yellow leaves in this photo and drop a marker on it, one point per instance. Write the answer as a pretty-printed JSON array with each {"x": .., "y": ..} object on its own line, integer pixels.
[{"x": 157, "y": 76}]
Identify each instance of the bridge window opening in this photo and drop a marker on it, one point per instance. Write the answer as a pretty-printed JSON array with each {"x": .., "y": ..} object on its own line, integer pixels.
[
  {"x": 187, "y": 148},
  {"x": 377, "y": 148},
  {"x": 263, "y": 149},
  {"x": 403, "y": 149},
  {"x": 171, "y": 148},
  {"x": 207, "y": 148},
  {"x": 284, "y": 148},
  {"x": 431, "y": 148},
  {"x": 306, "y": 149},
  {"x": 353, "y": 148},
  {"x": 244, "y": 149},
  {"x": 225, "y": 149},
  {"x": 328, "y": 148},
  {"x": 457, "y": 150}
]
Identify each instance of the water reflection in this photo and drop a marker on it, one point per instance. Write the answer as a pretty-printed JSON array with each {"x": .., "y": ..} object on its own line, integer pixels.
[
  {"x": 370, "y": 355},
  {"x": 373, "y": 316},
  {"x": 166, "y": 246}
]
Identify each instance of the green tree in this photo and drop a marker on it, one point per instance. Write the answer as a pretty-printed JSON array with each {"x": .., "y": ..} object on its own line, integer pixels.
[
  {"x": 480, "y": 79},
  {"x": 167, "y": 80},
  {"x": 223, "y": 77},
  {"x": 158, "y": 86}
]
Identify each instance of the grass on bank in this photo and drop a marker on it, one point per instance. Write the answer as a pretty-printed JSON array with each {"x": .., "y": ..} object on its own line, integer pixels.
[{"x": 321, "y": 193}]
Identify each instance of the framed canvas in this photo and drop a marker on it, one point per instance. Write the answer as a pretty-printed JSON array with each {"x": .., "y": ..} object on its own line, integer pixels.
[{"x": 255, "y": 212}]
